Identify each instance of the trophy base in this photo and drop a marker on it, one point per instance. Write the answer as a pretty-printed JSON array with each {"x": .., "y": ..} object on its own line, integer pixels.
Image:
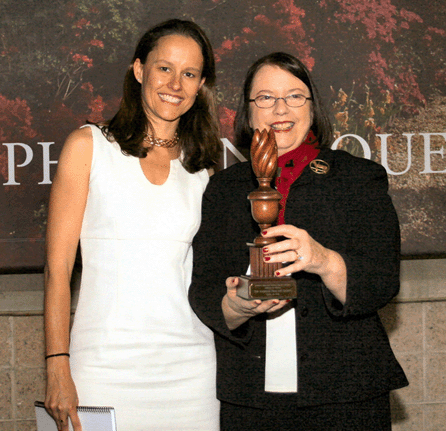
[{"x": 266, "y": 288}]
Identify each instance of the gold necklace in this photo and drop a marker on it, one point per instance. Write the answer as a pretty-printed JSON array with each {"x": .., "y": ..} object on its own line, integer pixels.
[{"x": 165, "y": 143}]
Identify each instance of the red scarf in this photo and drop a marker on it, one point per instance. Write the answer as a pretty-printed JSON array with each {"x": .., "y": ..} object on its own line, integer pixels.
[{"x": 291, "y": 165}]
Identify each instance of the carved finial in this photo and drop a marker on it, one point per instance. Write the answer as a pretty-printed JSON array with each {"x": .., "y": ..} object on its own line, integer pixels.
[{"x": 264, "y": 154}]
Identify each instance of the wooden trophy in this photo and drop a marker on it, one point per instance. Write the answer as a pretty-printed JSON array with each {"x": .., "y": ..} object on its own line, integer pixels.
[{"x": 262, "y": 284}]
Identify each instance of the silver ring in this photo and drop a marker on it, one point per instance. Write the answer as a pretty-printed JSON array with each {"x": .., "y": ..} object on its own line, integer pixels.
[{"x": 298, "y": 256}]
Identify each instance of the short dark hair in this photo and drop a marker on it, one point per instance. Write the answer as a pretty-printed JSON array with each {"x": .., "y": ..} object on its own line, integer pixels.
[
  {"x": 321, "y": 126},
  {"x": 198, "y": 129}
]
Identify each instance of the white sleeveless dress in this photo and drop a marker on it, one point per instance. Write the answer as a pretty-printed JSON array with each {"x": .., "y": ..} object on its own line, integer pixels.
[{"x": 136, "y": 344}]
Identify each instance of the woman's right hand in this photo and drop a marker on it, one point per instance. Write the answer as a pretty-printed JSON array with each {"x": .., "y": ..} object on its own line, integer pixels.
[
  {"x": 61, "y": 396},
  {"x": 238, "y": 310}
]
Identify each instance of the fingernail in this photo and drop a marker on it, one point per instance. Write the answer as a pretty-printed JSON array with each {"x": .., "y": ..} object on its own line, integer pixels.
[
  {"x": 267, "y": 258},
  {"x": 277, "y": 273},
  {"x": 264, "y": 232},
  {"x": 265, "y": 249}
]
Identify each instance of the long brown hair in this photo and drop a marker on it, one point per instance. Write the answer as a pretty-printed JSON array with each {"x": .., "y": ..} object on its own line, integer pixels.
[{"x": 198, "y": 129}]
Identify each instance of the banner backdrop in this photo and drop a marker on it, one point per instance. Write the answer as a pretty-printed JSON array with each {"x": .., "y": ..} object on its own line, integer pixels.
[{"x": 379, "y": 64}]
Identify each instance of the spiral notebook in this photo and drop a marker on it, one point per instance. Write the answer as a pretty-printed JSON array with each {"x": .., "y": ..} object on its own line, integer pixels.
[{"x": 92, "y": 418}]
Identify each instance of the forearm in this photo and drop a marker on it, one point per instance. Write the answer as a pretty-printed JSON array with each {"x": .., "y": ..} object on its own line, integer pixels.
[
  {"x": 57, "y": 311},
  {"x": 334, "y": 275}
]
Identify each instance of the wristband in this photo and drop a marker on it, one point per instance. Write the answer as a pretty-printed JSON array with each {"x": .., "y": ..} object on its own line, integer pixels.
[{"x": 57, "y": 354}]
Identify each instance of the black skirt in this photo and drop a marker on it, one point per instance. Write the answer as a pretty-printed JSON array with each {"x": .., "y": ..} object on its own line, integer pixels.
[{"x": 371, "y": 415}]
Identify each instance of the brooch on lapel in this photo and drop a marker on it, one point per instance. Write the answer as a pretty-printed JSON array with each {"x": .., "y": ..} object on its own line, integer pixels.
[{"x": 319, "y": 166}]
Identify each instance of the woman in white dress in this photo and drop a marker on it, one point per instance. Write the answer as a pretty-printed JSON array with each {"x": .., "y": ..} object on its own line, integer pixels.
[{"x": 131, "y": 191}]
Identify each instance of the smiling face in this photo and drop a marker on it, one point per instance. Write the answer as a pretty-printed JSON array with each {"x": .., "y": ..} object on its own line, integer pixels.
[
  {"x": 291, "y": 125},
  {"x": 170, "y": 79}
]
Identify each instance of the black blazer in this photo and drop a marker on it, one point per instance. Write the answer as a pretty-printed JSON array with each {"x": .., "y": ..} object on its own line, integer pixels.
[{"x": 343, "y": 350}]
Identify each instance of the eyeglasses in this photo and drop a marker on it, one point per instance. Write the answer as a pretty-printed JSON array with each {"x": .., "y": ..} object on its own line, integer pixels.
[{"x": 293, "y": 100}]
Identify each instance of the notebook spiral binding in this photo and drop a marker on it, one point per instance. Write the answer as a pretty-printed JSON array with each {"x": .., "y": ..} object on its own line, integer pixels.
[
  {"x": 101, "y": 409},
  {"x": 93, "y": 409}
]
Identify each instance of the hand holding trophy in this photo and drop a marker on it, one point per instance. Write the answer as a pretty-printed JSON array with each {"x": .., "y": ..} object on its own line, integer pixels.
[{"x": 262, "y": 284}]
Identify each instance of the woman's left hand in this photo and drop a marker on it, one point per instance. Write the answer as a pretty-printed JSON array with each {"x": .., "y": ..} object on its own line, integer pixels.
[{"x": 306, "y": 254}]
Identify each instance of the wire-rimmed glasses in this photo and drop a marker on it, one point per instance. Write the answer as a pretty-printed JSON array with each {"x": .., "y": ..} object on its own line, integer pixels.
[{"x": 265, "y": 101}]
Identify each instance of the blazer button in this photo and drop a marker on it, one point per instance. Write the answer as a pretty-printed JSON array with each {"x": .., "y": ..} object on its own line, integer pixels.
[{"x": 304, "y": 312}]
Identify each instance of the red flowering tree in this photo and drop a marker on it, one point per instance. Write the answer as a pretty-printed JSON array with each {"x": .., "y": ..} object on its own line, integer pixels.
[
  {"x": 366, "y": 55},
  {"x": 376, "y": 49},
  {"x": 15, "y": 126},
  {"x": 51, "y": 66}
]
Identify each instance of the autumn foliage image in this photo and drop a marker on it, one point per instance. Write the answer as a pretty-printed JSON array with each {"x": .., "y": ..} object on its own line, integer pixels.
[{"x": 380, "y": 66}]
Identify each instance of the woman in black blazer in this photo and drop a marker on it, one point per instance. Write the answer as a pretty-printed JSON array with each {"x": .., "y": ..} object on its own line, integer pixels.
[{"x": 321, "y": 361}]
